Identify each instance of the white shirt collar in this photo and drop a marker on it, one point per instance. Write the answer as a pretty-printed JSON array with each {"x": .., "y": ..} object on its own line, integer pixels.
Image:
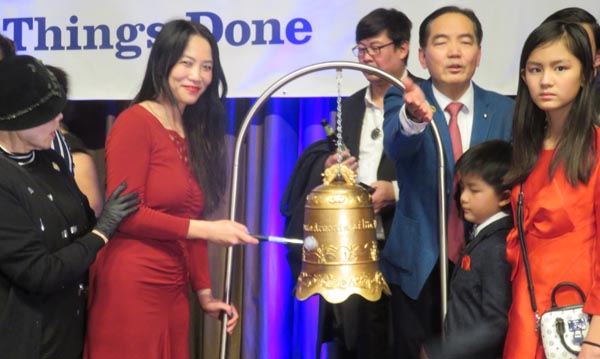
[
  {"x": 368, "y": 99},
  {"x": 467, "y": 99},
  {"x": 478, "y": 228}
]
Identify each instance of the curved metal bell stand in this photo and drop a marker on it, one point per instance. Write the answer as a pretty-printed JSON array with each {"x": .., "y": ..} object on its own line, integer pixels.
[{"x": 334, "y": 65}]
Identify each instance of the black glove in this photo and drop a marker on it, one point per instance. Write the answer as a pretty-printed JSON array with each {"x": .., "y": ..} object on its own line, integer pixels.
[{"x": 115, "y": 209}]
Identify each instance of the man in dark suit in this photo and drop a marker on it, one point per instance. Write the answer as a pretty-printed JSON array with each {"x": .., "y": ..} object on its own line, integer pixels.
[
  {"x": 361, "y": 328},
  {"x": 450, "y": 49}
]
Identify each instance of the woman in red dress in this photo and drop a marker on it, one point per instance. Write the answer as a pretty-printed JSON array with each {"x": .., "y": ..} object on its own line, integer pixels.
[
  {"x": 555, "y": 156},
  {"x": 169, "y": 147}
]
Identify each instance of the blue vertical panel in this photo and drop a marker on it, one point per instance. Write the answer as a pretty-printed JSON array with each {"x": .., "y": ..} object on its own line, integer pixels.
[
  {"x": 249, "y": 180},
  {"x": 313, "y": 110},
  {"x": 287, "y": 328},
  {"x": 306, "y": 313},
  {"x": 304, "y": 328},
  {"x": 252, "y": 262},
  {"x": 279, "y": 151}
]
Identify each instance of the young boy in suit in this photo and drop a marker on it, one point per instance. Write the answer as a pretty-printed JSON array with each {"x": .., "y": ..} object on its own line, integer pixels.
[{"x": 480, "y": 290}]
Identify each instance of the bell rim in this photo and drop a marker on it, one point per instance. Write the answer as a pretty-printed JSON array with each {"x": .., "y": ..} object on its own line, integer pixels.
[{"x": 336, "y": 295}]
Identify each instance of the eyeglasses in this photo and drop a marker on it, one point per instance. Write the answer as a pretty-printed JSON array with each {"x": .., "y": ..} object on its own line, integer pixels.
[{"x": 371, "y": 50}]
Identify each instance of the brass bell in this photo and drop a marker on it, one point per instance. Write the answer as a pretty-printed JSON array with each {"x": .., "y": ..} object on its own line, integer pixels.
[{"x": 340, "y": 255}]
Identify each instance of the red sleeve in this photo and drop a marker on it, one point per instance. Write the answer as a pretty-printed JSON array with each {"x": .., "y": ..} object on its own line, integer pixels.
[
  {"x": 513, "y": 246},
  {"x": 198, "y": 259},
  {"x": 128, "y": 150},
  {"x": 592, "y": 304}
]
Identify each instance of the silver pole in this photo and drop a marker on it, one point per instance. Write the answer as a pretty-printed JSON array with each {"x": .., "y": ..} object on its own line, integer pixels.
[
  {"x": 335, "y": 65},
  {"x": 443, "y": 240}
]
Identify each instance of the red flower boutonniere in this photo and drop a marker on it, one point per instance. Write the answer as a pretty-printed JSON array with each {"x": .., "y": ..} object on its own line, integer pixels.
[{"x": 466, "y": 262}]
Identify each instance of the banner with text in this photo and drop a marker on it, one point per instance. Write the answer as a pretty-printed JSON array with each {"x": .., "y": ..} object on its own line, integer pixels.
[{"x": 104, "y": 45}]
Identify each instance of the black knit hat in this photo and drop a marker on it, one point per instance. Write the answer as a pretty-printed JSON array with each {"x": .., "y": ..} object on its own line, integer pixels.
[{"x": 30, "y": 95}]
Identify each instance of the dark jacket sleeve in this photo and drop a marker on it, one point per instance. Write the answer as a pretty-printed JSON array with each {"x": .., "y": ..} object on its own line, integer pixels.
[
  {"x": 24, "y": 258},
  {"x": 305, "y": 177},
  {"x": 396, "y": 144}
]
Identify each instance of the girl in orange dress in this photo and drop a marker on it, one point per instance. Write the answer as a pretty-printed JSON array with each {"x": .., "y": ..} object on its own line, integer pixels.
[{"x": 556, "y": 147}]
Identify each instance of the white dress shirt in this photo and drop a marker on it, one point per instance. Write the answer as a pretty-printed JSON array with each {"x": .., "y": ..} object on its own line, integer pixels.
[
  {"x": 371, "y": 150},
  {"x": 479, "y": 227},
  {"x": 465, "y": 116}
]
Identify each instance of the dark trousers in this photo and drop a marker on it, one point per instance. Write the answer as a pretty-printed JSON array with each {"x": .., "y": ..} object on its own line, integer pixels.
[
  {"x": 416, "y": 320},
  {"x": 359, "y": 328}
]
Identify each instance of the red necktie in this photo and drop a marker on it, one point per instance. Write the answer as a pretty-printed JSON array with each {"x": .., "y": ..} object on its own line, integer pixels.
[{"x": 456, "y": 235}]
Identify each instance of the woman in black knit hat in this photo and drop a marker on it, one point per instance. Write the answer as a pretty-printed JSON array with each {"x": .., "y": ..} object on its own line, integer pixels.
[{"x": 48, "y": 234}]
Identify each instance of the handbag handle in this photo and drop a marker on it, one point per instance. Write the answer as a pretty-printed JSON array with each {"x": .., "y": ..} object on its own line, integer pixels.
[
  {"x": 566, "y": 284},
  {"x": 525, "y": 259}
]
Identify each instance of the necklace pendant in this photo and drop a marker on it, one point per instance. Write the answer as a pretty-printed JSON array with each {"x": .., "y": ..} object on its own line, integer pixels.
[{"x": 375, "y": 133}]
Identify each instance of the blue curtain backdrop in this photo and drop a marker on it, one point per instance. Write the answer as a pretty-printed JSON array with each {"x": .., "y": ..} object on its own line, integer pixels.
[{"x": 275, "y": 324}]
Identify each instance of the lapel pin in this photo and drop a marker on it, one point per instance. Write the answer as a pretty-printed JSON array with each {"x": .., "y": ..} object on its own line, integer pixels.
[
  {"x": 56, "y": 166},
  {"x": 433, "y": 109},
  {"x": 30, "y": 190}
]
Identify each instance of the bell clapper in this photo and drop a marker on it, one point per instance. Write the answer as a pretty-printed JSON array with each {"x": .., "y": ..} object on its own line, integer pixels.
[{"x": 310, "y": 243}]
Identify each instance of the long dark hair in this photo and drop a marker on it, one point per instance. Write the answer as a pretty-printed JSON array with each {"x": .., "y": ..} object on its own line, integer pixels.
[
  {"x": 204, "y": 121},
  {"x": 576, "y": 149},
  {"x": 580, "y": 16}
]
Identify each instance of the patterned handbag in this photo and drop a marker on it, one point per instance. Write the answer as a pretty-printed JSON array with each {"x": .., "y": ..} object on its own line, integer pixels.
[{"x": 563, "y": 329}]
